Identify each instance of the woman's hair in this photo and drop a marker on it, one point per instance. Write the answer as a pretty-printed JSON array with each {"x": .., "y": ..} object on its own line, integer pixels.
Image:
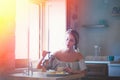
[{"x": 75, "y": 35}]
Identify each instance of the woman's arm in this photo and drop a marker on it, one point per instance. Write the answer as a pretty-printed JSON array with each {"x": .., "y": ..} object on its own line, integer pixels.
[
  {"x": 69, "y": 70},
  {"x": 83, "y": 72},
  {"x": 40, "y": 64},
  {"x": 82, "y": 68}
]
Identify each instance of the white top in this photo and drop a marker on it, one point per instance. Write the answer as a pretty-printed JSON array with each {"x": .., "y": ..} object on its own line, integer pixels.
[{"x": 78, "y": 65}]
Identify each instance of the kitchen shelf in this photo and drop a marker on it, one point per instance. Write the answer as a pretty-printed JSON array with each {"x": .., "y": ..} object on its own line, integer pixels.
[{"x": 94, "y": 26}]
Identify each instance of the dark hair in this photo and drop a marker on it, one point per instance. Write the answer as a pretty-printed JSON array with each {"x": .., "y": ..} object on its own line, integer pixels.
[{"x": 75, "y": 34}]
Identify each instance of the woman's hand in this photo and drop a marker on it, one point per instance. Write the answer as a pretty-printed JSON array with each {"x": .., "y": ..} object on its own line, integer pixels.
[
  {"x": 44, "y": 53},
  {"x": 40, "y": 64},
  {"x": 69, "y": 70}
]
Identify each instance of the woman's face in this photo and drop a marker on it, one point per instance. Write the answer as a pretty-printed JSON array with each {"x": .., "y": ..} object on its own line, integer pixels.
[{"x": 70, "y": 41}]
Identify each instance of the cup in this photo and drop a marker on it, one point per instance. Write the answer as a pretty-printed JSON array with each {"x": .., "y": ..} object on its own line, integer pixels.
[
  {"x": 111, "y": 58},
  {"x": 60, "y": 69}
]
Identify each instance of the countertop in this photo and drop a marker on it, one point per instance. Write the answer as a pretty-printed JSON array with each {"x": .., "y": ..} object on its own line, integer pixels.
[
  {"x": 98, "y": 62},
  {"x": 104, "y": 62}
]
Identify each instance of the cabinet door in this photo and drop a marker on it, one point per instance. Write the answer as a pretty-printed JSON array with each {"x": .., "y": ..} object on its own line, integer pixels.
[
  {"x": 97, "y": 70},
  {"x": 95, "y": 78}
]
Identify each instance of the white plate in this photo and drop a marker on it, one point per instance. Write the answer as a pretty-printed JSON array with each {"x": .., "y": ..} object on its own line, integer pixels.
[{"x": 57, "y": 74}]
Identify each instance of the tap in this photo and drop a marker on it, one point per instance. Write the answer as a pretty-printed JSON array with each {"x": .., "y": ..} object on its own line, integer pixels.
[{"x": 97, "y": 50}]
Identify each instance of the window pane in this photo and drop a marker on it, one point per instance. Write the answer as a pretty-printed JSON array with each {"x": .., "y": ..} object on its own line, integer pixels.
[
  {"x": 21, "y": 34},
  {"x": 34, "y": 32},
  {"x": 27, "y": 30},
  {"x": 56, "y": 19}
]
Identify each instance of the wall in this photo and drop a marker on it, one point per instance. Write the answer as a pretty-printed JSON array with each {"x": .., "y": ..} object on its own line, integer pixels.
[{"x": 92, "y": 12}]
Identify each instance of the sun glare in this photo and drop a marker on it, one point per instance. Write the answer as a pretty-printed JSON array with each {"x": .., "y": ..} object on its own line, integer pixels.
[
  {"x": 7, "y": 26},
  {"x": 7, "y": 9},
  {"x": 7, "y": 15}
]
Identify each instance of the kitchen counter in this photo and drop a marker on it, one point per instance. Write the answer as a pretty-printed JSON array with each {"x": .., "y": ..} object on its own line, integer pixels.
[
  {"x": 112, "y": 67},
  {"x": 98, "y": 62}
]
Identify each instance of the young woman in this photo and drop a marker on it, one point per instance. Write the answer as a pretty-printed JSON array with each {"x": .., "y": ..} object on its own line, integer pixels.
[{"x": 69, "y": 59}]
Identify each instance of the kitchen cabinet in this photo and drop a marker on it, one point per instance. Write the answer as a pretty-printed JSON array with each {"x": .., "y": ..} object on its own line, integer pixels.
[
  {"x": 102, "y": 70},
  {"x": 97, "y": 71},
  {"x": 114, "y": 70}
]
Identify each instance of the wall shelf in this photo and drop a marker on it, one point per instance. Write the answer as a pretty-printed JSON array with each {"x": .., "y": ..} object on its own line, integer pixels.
[{"x": 94, "y": 26}]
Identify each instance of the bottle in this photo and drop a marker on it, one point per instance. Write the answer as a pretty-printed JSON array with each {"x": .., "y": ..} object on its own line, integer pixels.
[{"x": 30, "y": 68}]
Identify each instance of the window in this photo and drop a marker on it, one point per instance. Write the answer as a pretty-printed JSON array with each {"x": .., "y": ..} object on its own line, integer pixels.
[
  {"x": 39, "y": 27},
  {"x": 56, "y": 21},
  {"x": 27, "y": 30}
]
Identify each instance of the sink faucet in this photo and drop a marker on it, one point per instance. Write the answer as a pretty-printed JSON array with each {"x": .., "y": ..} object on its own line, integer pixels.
[{"x": 97, "y": 50}]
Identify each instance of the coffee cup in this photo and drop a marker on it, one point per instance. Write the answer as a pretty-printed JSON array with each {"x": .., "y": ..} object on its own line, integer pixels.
[
  {"x": 60, "y": 69},
  {"x": 111, "y": 58}
]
